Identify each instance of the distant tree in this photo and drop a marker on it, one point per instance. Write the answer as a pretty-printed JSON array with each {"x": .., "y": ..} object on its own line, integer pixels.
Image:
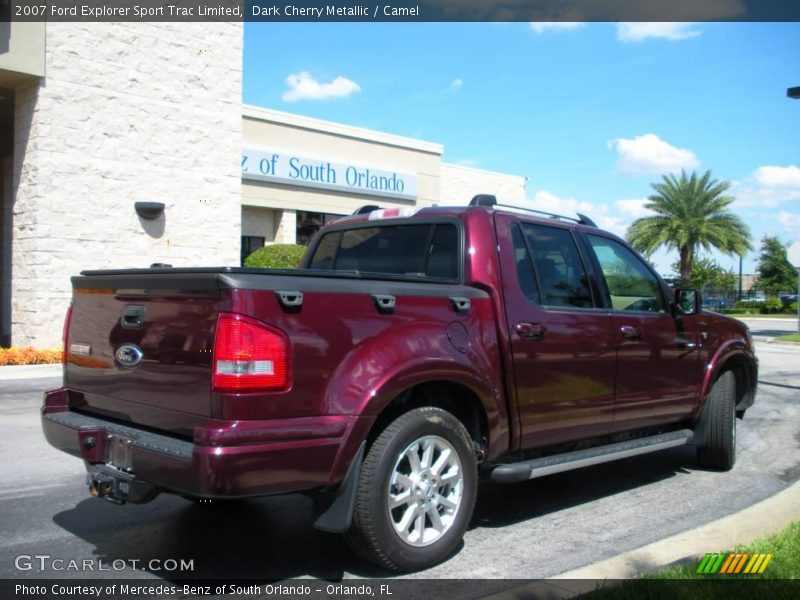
[
  {"x": 707, "y": 272},
  {"x": 691, "y": 212},
  {"x": 775, "y": 272}
]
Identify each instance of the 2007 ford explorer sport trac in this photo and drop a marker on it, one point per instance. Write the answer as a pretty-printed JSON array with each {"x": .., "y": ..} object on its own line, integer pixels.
[{"x": 408, "y": 356}]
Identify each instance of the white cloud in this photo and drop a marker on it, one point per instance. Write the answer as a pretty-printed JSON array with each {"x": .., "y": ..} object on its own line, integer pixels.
[
  {"x": 615, "y": 217},
  {"x": 569, "y": 207},
  {"x": 302, "y": 86},
  {"x": 457, "y": 84},
  {"x": 768, "y": 186},
  {"x": 789, "y": 219},
  {"x": 650, "y": 155},
  {"x": 636, "y": 32},
  {"x": 790, "y": 223},
  {"x": 555, "y": 26},
  {"x": 781, "y": 177},
  {"x": 633, "y": 208}
]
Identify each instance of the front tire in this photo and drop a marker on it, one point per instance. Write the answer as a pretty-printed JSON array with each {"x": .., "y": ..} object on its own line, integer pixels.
[
  {"x": 416, "y": 492},
  {"x": 719, "y": 450}
]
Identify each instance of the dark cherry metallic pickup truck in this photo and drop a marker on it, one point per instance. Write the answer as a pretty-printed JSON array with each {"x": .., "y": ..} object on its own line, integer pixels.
[{"x": 409, "y": 355}]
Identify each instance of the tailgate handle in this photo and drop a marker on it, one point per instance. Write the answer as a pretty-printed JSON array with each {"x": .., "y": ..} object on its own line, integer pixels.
[
  {"x": 384, "y": 303},
  {"x": 290, "y": 299},
  {"x": 460, "y": 304},
  {"x": 133, "y": 316}
]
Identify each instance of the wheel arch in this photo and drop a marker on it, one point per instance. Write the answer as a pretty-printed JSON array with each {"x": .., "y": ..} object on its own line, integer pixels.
[
  {"x": 737, "y": 357},
  {"x": 455, "y": 397},
  {"x": 745, "y": 375}
]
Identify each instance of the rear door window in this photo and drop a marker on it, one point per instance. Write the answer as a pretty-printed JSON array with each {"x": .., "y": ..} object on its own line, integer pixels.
[{"x": 554, "y": 261}]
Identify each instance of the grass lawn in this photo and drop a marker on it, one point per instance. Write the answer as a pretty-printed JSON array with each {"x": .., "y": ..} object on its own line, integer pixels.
[
  {"x": 791, "y": 337},
  {"x": 684, "y": 582}
]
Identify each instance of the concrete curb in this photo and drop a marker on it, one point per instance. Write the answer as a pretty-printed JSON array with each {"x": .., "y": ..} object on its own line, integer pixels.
[
  {"x": 776, "y": 319},
  {"x": 755, "y": 521},
  {"x": 17, "y": 372}
]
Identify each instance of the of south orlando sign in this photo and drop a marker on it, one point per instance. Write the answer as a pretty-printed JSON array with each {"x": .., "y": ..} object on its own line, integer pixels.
[{"x": 291, "y": 169}]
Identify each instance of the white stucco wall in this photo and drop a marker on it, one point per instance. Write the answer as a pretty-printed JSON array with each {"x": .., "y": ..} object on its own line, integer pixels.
[
  {"x": 126, "y": 112},
  {"x": 459, "y": 184},
  {"x": 260, "y": 222}
]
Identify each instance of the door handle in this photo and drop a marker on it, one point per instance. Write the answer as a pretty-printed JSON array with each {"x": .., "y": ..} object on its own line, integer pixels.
[
  {"x": 530, "y": 330},
  {"x": 631, "y": 332}
]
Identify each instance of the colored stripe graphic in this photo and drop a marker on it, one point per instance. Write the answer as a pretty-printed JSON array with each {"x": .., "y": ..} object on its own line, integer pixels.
[
  {"x": 741, "y": 562},
  {"x": 765, "y": 563},
  {"x": 727, "y": 563},
  {"x": 717, "y": 563},
  {"x": 754, "y": 560},
  {"x": 733, "y": 563},
  {"x": 702, "y": 566}
]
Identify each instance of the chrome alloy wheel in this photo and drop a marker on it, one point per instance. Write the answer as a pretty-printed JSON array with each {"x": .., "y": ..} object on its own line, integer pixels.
[{"x": 425, "y": 490}]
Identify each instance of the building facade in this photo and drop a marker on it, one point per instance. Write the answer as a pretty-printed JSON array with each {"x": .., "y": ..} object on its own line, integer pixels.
[
  {"x": 299, "y": 172},
  {"x": 96, "y": 118}
]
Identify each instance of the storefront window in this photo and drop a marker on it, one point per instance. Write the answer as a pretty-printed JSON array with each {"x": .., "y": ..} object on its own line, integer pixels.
[
  {"x": 309, "y": 223},
  {"x": 250, "y": 243}
]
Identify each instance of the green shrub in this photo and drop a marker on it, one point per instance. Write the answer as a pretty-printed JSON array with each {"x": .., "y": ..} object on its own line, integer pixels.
[
  {"x": 749, "y": 305},
  {"x": 276, "y": 256},
  {"x": 772, "y": 306},
  {"x": 791, "y": 308}
]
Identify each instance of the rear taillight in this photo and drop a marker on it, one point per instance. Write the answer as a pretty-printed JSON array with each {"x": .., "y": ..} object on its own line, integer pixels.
[
  {"x": 65, "y": 336},
  {"x": 249, "y": 355}
]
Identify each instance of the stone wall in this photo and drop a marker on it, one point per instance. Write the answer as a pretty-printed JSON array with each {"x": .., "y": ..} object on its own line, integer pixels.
[
  {"x": 126, "y": 112},
  {"x": 459, "y": 184}
]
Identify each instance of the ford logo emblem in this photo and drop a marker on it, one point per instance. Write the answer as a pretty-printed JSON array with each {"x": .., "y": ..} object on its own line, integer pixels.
[{"x": 129, "y": 355}]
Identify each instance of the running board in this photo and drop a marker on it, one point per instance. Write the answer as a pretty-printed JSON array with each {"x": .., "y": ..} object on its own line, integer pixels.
[{"x": 547, "y": 465}]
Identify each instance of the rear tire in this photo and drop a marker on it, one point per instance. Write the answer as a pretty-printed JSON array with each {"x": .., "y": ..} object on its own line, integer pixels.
[
  {"x": 719, "y": 450},
  {"x": 416, "y": 492}
]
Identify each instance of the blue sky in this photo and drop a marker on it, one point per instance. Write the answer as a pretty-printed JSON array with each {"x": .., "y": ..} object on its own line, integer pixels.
[{"x": 590, "y": 113}]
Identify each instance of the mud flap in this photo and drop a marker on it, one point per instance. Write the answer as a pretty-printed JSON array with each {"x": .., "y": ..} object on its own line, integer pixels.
[{"x": 336, "y": 515}]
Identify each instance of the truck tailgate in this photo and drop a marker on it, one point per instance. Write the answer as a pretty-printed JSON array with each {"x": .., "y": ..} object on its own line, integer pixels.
[{"x": 166, "y": 333}]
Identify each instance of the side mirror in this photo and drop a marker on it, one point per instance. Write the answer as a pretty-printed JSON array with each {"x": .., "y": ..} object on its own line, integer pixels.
[{"x": 687, "y": 301}]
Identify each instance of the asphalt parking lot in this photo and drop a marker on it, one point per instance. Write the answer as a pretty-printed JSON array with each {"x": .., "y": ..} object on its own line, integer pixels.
[{"x": 531, "y": 530}]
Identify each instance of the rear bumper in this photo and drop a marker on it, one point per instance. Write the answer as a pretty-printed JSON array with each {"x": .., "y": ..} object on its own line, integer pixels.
[{"x": 226, "y": 459}]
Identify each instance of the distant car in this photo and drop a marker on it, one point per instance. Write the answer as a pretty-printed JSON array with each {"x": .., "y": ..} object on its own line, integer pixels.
[
  {"x": 788, "y": 299},
  {"x": 716, "y": 304}
]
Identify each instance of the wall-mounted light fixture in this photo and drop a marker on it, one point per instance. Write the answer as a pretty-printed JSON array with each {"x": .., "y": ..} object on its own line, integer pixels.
[{"x": 149, "y": 210}]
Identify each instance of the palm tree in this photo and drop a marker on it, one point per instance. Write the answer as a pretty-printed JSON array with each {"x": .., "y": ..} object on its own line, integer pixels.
[{"x": 690, "y": 213}]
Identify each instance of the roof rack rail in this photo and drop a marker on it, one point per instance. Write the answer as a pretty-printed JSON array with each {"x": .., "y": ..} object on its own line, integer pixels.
[
  {"x": 490, "y": 201},
  {"x": 366, "y": 209},
  {"x": 483, "y": 200}
]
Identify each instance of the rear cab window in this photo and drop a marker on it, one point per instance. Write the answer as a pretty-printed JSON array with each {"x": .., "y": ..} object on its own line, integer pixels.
[{"x": 427, "y": 250}]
